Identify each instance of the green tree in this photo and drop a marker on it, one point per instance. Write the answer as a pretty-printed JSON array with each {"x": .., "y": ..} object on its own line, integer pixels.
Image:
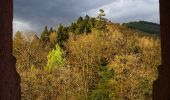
[
  {"x": 45, "y": 35},
  {"x": 92, "y": 22},
  {"x": 55, "y": 59},
  {"x": 103, "y": 89},
  {"x": 73, "y": 27},
  {"x": 86, "y": 18},
  {"x": 101, "y": 14},
  {"x": 80, "y": 28},
  {"x": 101, "y": 21},
  {"x": 84, "y": 25},
  {"x": 51, "y": 30},
  {"x": 62, "y": 34},
  {"x": 79, "y": 20},
  {"x": 87, "y": 28}
]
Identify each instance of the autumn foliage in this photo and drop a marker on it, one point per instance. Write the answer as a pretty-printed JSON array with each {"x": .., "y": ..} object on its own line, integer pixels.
[{"x": 106, "y": 63}]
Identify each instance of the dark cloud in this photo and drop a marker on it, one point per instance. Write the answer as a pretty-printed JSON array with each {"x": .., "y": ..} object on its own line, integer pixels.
[{"x": 33, "y": 15}]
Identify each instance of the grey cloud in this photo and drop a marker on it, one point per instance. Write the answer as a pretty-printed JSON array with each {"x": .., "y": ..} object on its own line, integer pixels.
[
  {"x": 51, "y": 12},
  {"x": 138, "y": 10},
  {"x": 38, "y": 13}
]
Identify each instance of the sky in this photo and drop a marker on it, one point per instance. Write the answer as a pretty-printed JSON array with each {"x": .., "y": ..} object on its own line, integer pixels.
[{"x": 34, "y": 15}]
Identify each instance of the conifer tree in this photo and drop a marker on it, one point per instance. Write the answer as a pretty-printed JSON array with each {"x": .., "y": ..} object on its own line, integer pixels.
[
  {"x": 101, "y": 21},
  {"x": 51, "y": 30},
  {"x": 73, "y": 27},
  {"x": 87, "y": 28},
  {"x": 79, "y": 20},
  {"x": 80, "y": 28},
  {"x": 92, "y": 22},
  {"x": 45, "y": 35},
  {"x": 62, "y": 34},
  {"x": 87, "y": 17}
]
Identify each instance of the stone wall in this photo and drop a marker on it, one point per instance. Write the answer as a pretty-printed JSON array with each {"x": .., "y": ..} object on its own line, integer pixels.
[
  {"x": 161, "y": 87},
  {"x": 9, "y": 78}
]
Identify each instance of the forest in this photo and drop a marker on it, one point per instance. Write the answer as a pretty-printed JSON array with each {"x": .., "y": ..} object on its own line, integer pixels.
[
  {"x": 144, "y": 26},
  {"x": 90, "y": 59}
]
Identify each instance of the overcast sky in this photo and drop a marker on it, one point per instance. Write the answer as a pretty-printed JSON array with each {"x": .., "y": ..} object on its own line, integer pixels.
[{"x": 33, "y": 15}]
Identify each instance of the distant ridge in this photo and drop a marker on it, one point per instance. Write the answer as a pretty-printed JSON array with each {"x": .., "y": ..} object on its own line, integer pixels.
[{"x": 144, "y": 26}]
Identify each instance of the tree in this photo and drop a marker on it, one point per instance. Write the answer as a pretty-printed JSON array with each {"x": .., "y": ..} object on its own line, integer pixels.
[
  {"x": 55, "y": 59},
  {"x": 45, "y": 35},
  {"x": 80, "y": 28},
  {"x": 51, "y": 30},
  {"x": 103, "y": 89},
  {"x": 86, "y": 18},
  {"x": 101, "y": 14},
  {"x": 87, "y": 28},
  {"x": 120, "y": 64},
  {"x": 73, "y": 27},
  {"x": 101, "y": 21},
  {"x": 83, "y": 25},
  {"x": 62, "y": 34},
  {"x": 85, "y": 52},
  {"x": 18, "y": 39},
  {"x": 79, "y": 20},
  {"x": 28, "y": 52},
  {"x": 53, "y": 38},
  {"x": 92, "y": 22}
]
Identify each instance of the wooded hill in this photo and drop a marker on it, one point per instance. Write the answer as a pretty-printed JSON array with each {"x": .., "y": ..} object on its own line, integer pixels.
[
  {"x": 92, "y": 59},
  {"x": 144, "y": 26}
]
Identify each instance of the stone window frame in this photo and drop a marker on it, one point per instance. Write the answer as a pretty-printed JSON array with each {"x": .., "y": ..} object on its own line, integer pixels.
[{"x": 10, "y": 80}]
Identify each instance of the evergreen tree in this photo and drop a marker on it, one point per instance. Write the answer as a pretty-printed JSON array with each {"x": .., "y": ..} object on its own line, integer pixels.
[
  {"x": 103, "y": 89},
  {"x": 84, "y": 25},
  {"x": 45, "y": 35},
  {"x": 73, "y": 27},
  {"x": 86, "y": 18},
  {"x": 101, "y": 21},
  {"x": 101, "y": 14},
  {"x": 80, "y": 28},
  {"x": 80, "y": 25},
  {"x": 87, "y": 28},
  {"x": 51, "y": 30},
  {"x": 62, "y": 34},
  {"x": 65, "y": 30},
  {"x": 92, "y": 22},
  {"x": 80, "y": 20}
]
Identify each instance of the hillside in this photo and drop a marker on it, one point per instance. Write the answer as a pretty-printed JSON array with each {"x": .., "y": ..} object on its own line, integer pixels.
[
  {"x": 91, "y": 59},
  {"x": 145, "y": 26}
]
